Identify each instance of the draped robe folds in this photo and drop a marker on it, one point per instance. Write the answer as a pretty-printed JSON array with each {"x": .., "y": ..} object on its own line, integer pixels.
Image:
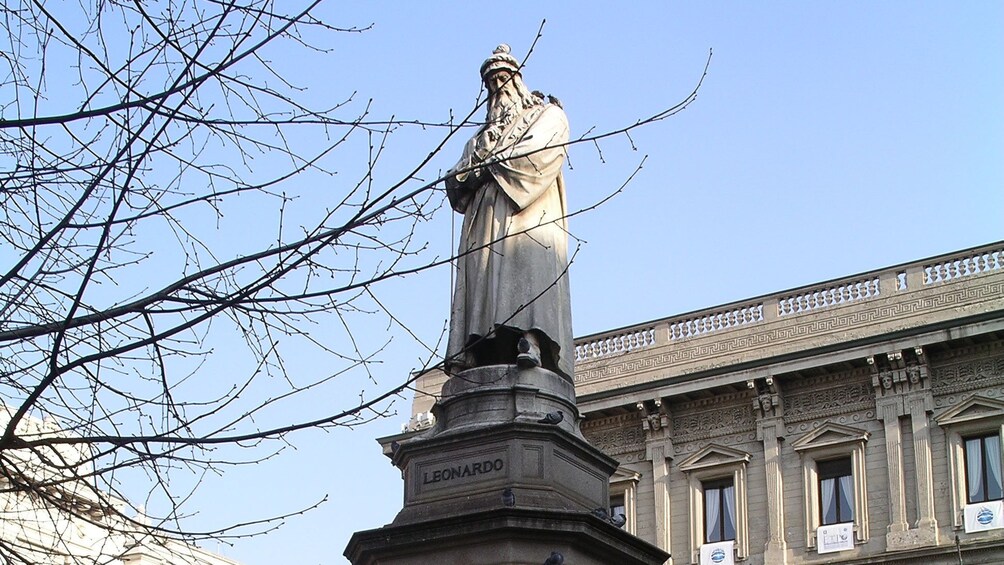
[{"x": 513, "y": 254}]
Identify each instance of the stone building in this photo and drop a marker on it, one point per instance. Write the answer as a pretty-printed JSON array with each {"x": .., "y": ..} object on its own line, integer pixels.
[
  {"x": 54, "y": 514},
  {"x": 858, "y": 420}
]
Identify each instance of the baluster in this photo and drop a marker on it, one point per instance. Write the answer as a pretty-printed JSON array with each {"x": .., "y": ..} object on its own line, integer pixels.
[
  {"x": 967, "y": 264},
  {"x": 983, "y": 262}
]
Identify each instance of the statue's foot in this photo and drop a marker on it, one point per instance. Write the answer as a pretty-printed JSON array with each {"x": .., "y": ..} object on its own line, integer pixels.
[{"x": 528, "y": 353}]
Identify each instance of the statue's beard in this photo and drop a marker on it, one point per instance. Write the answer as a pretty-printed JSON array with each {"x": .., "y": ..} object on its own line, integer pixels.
[{"x": 505, "y": 106}]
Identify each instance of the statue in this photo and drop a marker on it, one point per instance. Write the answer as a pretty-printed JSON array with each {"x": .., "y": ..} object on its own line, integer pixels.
[{"x": 511, "y": 300}]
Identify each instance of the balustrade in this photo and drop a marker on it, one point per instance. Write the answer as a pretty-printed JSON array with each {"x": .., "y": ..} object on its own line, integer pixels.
[
  {"x": 825, "y": 297},
  {"x": 804, "y": 300},
  {"x": 968, "y": 265}
]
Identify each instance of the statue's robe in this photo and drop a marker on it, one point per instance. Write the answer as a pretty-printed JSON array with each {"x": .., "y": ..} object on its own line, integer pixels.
[{"x": 513, "y": 254}]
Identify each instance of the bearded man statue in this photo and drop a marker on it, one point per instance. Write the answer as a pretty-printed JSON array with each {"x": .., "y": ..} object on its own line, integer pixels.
[{"x": 511, "y": 301}]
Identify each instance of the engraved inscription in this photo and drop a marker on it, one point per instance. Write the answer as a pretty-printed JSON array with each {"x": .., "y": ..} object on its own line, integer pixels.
[{"x": 454, "y": 471}]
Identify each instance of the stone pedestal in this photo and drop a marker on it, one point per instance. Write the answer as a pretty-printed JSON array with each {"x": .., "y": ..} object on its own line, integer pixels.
[{"x": 495, "y": 482}]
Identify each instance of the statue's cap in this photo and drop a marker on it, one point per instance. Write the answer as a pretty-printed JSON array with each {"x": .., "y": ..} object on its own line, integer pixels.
[{"x": 500, "y": 60}]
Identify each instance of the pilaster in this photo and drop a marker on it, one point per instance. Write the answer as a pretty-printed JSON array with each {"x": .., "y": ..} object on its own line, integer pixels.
[
  {"x": 900, "y": 383},
  {"x": 920, "y": 403},
  {"x": 889, "y": 406},
  {"x": 658, "y": 450},
  {"x": 770, "y": 430}
]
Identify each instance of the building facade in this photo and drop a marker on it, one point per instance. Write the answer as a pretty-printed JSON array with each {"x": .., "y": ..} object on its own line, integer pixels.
[
  {"x": 853, "y": 421},
  {"x": 52, "y": 513}
]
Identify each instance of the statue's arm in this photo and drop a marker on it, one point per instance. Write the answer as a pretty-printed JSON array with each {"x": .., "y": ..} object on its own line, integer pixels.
[{"x": 462, "y": 180}]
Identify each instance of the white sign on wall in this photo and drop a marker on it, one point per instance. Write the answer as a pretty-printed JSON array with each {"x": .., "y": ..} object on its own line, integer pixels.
[
  {"x": 835, "y": 537},
  {"x": 984, "y": 516},
  {"x": 718, "y": 553}
]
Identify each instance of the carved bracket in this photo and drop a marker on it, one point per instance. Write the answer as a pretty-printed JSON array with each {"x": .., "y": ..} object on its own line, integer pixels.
[
  {"x": 899, "y": 372},
  {"x": 768, "y": 400}
]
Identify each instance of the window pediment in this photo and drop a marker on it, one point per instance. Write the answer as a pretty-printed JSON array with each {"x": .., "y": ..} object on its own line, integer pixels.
[
  {"x": 714, "y": 456},
  {"x": 622, "y": 475},
  {"x": 828, "y": 435},
  {"x": 973, "y": 409}
]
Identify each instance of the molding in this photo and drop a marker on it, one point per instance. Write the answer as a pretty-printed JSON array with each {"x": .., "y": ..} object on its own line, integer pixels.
[
  {"x": 975, "y": 408},
  {"x": 829, "y": 435},
  {"x": 714, "y": 456}
]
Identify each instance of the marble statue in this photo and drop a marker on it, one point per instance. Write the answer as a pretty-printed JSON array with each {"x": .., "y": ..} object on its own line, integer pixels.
[{"x": 511, "y": 300}]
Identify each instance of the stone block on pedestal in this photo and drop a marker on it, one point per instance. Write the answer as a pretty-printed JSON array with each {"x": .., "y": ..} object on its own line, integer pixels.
[{"x": 504, "y": 477}]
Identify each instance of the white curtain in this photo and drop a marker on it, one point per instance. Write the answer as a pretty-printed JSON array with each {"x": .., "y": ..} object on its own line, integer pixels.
[
  {"x": 826, "y": 488},
  {"x": 993, "y": 453},
  {"x": 974, "y": 470},
  {"x": 729, "y": 496},
  {"x": 847, "y": 498},
  {"x": 712, "y": 513}
]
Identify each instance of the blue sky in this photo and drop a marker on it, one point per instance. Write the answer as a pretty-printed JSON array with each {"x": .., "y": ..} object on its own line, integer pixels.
[{"x": 827, "y": 139}]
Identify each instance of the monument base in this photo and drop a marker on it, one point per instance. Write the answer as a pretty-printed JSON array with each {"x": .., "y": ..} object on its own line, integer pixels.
[
  {"x": 505, "y": 536},
  {"x": 504, "y": 477}
]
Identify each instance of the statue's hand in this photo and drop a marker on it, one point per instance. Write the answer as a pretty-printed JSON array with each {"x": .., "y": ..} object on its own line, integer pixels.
[{"x": 487, "y": 141}]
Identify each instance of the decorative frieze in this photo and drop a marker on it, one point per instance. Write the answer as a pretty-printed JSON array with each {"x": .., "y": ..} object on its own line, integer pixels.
[
  {"x": 616, "y": 436},
  {"x": 719, "y": 417},
  {"x": 970, "y": 373},
  {"x": 830, "y": 395}
]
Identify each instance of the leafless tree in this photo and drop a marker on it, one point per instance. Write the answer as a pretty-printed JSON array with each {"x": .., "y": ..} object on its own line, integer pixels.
[{"x": 131, "y": 134}]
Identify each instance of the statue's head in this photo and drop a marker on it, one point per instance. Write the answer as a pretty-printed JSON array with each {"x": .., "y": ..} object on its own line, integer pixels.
[
  {"x": 507, "y": 95},
  {"x": 501, "y": 60}
]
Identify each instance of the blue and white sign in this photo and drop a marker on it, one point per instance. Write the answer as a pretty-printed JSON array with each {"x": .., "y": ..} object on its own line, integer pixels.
[
  {"x": 835, "y": 537},
  {"x": 984, "y": 516},
  {"x": 720, "y": 553}
]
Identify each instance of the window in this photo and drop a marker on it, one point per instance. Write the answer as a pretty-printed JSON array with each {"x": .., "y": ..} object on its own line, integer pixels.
[
  {"x": 623, "y": 484},
  {"x": 983, "y": 468},
  {"x": 833, "y": 479},
  {"x": 716, "y": 481},
  {"x": 973, "y": 429},
  {"x": 836, "y": 491},
  {"x": 719, "y": 511},
  {"x": 617, "y": 506}
]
